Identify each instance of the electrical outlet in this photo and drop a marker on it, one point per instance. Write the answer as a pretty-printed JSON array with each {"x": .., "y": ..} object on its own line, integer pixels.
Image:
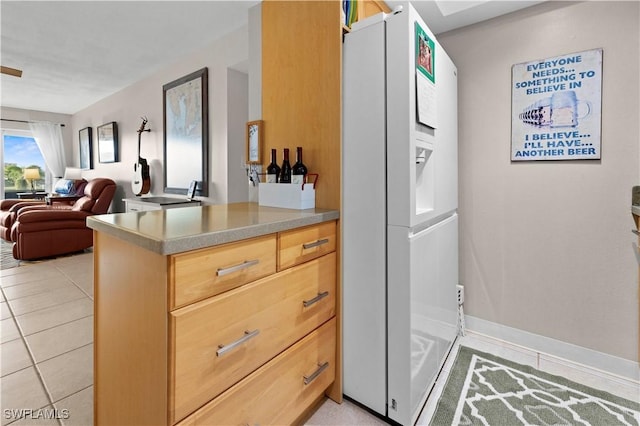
[{"x": 460, "y": 290}]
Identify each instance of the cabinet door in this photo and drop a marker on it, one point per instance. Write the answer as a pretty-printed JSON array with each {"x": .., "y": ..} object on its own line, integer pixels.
[
  {"x": 220, "y": 340},
  {"x": 280, "y": 391}
]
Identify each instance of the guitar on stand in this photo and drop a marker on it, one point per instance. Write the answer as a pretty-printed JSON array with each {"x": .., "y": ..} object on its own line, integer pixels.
[{"x": 141, "y": 183}]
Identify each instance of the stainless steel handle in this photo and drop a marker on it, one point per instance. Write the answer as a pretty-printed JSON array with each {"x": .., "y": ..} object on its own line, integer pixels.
[
  {"x": 635, "y": 231},
  {"x": 320, "y": 296},
  {"x": 311, "y": 378},
  {"x": 315, "y": 244},
  {"x": 224, "y": 271},
  {"x": 223, "y": 349}
]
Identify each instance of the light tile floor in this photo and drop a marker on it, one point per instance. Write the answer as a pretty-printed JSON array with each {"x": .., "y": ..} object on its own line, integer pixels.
[
  {"x": 46, "y": 355},
  {"x": 46, "y": 351}
]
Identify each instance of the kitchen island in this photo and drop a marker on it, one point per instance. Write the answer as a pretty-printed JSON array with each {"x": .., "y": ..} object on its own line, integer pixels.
[{"x": 220, "y": 314}]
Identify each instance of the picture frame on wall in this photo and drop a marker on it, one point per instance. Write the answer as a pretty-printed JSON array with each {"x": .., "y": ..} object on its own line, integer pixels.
[
  {"x": 108, "y": 143},
  {"x": 254, "y": 141},
  {"x": 186, "y": 133},
  {"x": 86, "y": 154},
  {"x": 556, "y": 108}
]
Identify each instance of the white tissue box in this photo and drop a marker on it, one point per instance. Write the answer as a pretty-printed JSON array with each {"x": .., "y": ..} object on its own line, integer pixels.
[{"x": 287, "y": 195}]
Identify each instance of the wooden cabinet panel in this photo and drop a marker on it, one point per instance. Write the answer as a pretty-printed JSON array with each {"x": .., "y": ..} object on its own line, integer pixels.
[
  {"x": 301, "y": 245},
  {"x": 202, "y": 273},
  {"x": 280, "y": 383},
  {"x": 301, "y": 39},
  {"x": 282, "y": 309}
]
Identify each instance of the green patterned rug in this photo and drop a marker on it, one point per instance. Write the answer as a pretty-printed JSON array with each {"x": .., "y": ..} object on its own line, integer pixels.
[{"x": 483, "y": 389}]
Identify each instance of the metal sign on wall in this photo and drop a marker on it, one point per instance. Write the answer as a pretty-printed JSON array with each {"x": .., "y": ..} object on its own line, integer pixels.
[{"x": 556, "y": 108}]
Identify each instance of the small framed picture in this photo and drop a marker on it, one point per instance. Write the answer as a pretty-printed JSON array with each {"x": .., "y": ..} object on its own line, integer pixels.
[
  {"x": 108, "y": 143},
  {"x": 86, "y": 154},
  {"x": 254, "y": 142},
  {"x": 191, "y": 192}
]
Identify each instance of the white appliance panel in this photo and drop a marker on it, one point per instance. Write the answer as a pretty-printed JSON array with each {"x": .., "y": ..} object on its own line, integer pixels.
[
  {"x": 426, "y": 192},
  {"x": 422, "y": 312},
  {"x": 399, "y": 222},
  {"x": 363, "y": 219}
]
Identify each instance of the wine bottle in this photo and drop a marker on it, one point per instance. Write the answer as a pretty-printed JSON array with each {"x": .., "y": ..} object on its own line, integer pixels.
[
  {"x": 273, "y": 170},
  {"x": 299, "y": 170},
  {"x": 285, "y": 170}
]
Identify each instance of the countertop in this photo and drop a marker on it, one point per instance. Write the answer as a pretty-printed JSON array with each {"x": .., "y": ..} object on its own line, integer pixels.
[{"x": 189, "y": 228}]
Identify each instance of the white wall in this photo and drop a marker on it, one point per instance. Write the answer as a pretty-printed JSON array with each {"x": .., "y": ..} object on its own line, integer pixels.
[
  {"x": 546, "y": 247},
  {"x": 144, "y": 98}
]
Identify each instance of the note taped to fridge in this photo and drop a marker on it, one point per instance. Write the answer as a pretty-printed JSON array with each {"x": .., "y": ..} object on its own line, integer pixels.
[{"x": 425, "y": 77}]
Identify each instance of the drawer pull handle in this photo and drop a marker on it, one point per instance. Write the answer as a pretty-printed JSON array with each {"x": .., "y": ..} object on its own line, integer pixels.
[
  {"x": 231, "y": 269},
  {"x": 311, "y": 378},
  {"x": 320, "y": 296},
  {"x": 223, "y": 349},
  {"x": 315, "y": 244}
]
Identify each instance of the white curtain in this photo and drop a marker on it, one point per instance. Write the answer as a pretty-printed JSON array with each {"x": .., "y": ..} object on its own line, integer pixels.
[{"x": 48, "y": 136}]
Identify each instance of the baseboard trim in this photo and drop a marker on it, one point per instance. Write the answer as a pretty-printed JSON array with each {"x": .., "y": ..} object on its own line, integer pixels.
[{"x": 545, "y": 345}]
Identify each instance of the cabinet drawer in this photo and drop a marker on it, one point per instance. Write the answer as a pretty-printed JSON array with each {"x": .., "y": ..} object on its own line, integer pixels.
[
  {"x": 277, "y": 392},
  {"x": 300, "y": 245},
  {"x": 198, "y": 274},
  {"x": 254, "y": 323}
]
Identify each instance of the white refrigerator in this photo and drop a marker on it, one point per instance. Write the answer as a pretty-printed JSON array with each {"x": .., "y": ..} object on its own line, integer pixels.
[{"x": 399, "y": 213}]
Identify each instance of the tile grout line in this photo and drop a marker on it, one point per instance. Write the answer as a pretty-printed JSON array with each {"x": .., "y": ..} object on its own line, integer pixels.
[
  {"x": 32, "y": 358},
  {"x": 46, "y": 307},
  {"x": 75, "y": 284},
  {"x": 57, "y": 325}
]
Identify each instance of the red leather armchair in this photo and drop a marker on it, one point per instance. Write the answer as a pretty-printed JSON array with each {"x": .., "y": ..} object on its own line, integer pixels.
[
  {"x": 45, "y": 231},
  {"x": 9, "y": 208}
]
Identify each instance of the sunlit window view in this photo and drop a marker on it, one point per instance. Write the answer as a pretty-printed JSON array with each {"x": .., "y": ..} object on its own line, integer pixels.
[{"x": 24, "y": 168}]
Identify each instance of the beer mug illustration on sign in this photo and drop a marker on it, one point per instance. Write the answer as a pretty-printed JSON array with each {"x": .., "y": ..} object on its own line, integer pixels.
[
  {"x": 538, "y": 114},
  {"x": 564, "y": 109}
]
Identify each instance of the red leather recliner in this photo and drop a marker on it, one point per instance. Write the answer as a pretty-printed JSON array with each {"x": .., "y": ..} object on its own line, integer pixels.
[
  {"x": 9, "y": 208},
  {"x": 44, "y": 232}
]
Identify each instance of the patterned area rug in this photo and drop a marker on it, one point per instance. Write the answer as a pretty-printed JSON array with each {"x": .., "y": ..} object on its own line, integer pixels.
[
  {"x": 483, "y": 389},
  {"x": 6, "y": 255}
]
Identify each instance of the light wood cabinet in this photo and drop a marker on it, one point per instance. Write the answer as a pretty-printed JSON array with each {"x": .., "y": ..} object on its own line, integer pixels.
[
  {"x": 220, "y": 340},
  {"x": 202, "y": 273},
  {"x": 256, "y": 345},
  {"x": 302, "y": 245},
  {"x": 291, "y": 380}
]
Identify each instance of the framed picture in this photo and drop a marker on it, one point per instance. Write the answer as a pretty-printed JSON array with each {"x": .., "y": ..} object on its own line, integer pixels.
[
  {"x": 254, "y": 142},
  {"x": 558, "y": 117},
  {"x": 108, "y": 143},
  {"x": 86, "y": 154},
  {"x": 186, "y": 133}
]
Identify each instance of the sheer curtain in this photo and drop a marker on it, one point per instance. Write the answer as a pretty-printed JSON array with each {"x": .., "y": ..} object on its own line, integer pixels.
[{"x": 48, "y": 136}]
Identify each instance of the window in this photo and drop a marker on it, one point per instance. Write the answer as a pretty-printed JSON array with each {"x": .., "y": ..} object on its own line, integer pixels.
[{"x": 20, "y": 152}]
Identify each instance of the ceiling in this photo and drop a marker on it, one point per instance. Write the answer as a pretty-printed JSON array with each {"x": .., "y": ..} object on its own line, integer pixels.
[{"x": 75, "y": 53}]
